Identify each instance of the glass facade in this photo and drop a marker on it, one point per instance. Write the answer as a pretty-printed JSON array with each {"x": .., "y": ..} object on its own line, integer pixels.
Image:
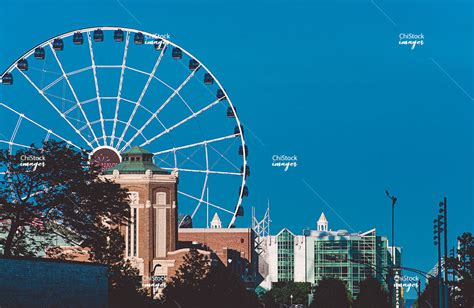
[
  {"x": 286, "y": 256},
  {"x": 350, "y": 258}
]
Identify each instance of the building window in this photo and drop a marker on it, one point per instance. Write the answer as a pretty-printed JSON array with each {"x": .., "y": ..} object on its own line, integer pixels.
[
  {"x": 129, "y": 238},
  {"x": 135, "y": 231},
  {"x": 351, "y": 259},
  {"x": 161, "y": 198},
  {"x": 132, "y": 228},
  {"x": 286, "y": 256}
]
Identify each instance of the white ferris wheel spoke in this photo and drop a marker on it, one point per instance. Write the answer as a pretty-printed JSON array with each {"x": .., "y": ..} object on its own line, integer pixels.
[
  {"x": 46, "y": 130},
  {"x": 79, "y": 70},
  {"x": 159, "y": 80},
  {"x": 52, "y": 83},
  {"x": 155, "y": 114},
  {"x": 119, "y": 94},
  {"x": 99, "y": 103},
  {"x": 145, "y": 88},
  {"x": 223, "y": 156},
  {"x": 205, "y": 202},
  {"x": 10, "y": 144},
  {"x": 55, "y": 108},
  {"x": 197, "y": 144},
  {"x": 165, "y": 162},
  {"x": 204, "y": 186},
  {"x": 189, "y": 158},
  {"x": 59, "y": 97},
  {"x": 193, "y": 115},
  {"x": 111, "y": 120},
  {"x": 78, "y": 104}
]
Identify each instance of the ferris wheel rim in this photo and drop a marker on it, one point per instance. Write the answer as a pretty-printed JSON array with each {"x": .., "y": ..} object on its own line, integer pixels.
[{"x": 48, "y": 42}]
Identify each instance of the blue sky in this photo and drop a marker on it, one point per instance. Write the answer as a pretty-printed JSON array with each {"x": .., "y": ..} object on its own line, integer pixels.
[{"x": 326, "y": 81}]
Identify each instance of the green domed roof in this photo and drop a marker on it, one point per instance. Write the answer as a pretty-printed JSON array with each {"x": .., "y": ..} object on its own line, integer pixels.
[{"x": 136, "y": 161}]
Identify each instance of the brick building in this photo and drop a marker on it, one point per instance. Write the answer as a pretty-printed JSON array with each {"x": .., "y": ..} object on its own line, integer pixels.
[
  {"x": 235, "y": 247},
  {"x": 152, "y": 234}
]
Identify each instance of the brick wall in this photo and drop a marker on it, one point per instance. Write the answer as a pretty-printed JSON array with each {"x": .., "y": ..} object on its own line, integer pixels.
[
  {"x": 240, "y": 240},
  {"x": 236, "y": 245}
]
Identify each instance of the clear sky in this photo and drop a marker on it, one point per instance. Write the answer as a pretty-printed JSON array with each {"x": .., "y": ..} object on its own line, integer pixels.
[{"x": 326, "y": 81}]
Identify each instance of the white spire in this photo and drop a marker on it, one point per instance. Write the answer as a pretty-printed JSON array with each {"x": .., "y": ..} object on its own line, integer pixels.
[
  {"x": 216, "y": 222},
  {"x": 323, "y": 223}
]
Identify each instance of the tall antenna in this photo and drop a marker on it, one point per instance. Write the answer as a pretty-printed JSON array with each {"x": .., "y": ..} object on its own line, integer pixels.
[{"x": 261, "y": 228}]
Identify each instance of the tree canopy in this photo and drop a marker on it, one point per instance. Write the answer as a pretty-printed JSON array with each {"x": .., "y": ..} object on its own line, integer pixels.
[
  {"x": 371, "y": 295},
  {"x": 202, "y": 282},
  {"x": 331, "y": 293},
  {"x": 53, "y": 191},
  {"x": 281, "y": 293}
]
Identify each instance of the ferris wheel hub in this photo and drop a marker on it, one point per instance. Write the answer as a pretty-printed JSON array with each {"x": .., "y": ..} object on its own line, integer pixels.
[{"x": 106, "y": 157}]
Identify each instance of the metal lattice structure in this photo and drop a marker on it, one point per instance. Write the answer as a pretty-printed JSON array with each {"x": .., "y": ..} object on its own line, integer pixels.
[
  {"x": 261, "y": 228},
  {"x": 113, "y": 88}
]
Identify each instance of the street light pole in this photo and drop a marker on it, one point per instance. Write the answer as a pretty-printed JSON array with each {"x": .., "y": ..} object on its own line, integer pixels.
[
  {"x": 437, "y": 241},
  {"x": 394, "y": 200},
  {"x": 444, "y": 205}
]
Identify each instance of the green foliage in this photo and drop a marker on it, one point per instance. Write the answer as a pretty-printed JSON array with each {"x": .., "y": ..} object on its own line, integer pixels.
[
  {"x": 462, "y": 288},
  {"x": 429, "y": 296},
  {"x": 331, "y": 293},
  {"x": 268, "y": 300},
  {"x": 462, "y": 265},
  {"x": 66, "y": 197},
  {"x": 371, "y": 295},
  {"x": 63, "y": 193},
  {"x": 281, "y": 293},
  {"x": 201, "y": 283}
]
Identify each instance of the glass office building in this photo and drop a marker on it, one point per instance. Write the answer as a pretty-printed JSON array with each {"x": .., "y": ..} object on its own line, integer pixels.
[{"x": 351, "y": 257}]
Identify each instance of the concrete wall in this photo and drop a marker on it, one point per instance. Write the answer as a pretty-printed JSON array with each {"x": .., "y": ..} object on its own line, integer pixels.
[
  {"x": 300, "y": 259},
  {"x": 29, "y": 282},
  {"x": 270, "y": 255},
  {"x": 310, "y": 259}
]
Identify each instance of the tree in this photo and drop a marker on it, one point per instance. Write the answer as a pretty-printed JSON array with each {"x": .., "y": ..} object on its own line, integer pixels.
[
  {"x": 429, "y": 296},
  {"x": 125, "y": 283},
  {"x": 371, "y": 295},
  {"x": 462, "y": 266},
  {"x": 187, "y": 285},
  {"x": 52, "y": 189},
  {"x": 198, "y": 282},
  {"x": 268, "y": 300},
  {"x": 282, "y": 291},
  {"x": 331, "y": 293}
]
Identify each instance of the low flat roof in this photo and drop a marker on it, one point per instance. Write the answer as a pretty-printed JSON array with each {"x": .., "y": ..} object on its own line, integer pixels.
[{"x": 214, "y": 230}]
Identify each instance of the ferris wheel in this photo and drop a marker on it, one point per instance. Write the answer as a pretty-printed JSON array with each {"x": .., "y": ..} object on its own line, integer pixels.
[{"x": 107, "y": 89}]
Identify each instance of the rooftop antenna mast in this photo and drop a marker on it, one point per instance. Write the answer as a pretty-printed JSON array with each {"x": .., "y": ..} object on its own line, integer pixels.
[{"x": 261, "y": 228}]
